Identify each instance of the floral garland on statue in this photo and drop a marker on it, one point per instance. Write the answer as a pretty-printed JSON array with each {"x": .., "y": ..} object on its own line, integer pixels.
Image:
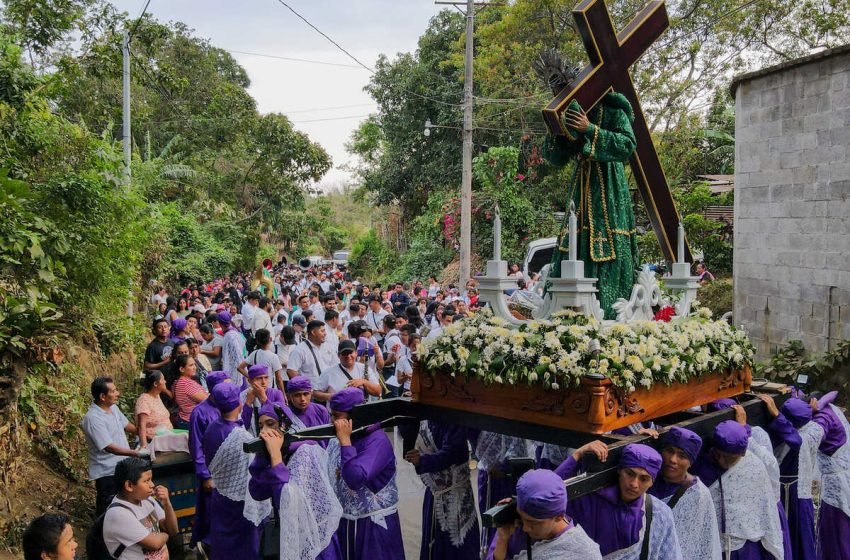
[{"x": 561, "y": 350}]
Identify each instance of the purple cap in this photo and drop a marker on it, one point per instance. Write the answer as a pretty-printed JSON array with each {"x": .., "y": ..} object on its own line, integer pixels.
[
  {"x": 213, "y": 378},
  {"x": 731, "y": 437},
  {"x": 541, "y": 494},
  {"x": 721, "y": 404},
  {"x": 638, "y": 455},
  {"x": 268, "y": 410},
  {"x": 299, "y": 384},
  {"x": 258, "y": 370},
  {"x": 226, "y": 397},
  {"x": 346, "y": 399},
  {"x": 178, "y": 324},
  {"x": 685, "y": 440},
  {"x": 224, "y": 318},
  {"x": 798, "y": 412}
]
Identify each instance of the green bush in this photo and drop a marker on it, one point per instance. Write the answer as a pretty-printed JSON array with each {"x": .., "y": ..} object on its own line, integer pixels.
[
  {"x": 719, "y": 296},
  {"x": 371, "y": 260}
]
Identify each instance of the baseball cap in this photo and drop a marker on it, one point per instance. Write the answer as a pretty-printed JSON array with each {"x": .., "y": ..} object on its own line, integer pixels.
[{"x": 346, "y": 346}]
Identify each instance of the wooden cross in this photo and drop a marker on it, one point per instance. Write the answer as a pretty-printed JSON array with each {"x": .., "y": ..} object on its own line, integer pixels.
[{"x": 611, "y": 54}]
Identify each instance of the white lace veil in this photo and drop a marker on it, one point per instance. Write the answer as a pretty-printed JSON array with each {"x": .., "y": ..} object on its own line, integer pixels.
[
  {"x": 229, "y": 470},
  {"x": 696, "y": 524},
  {"x": 310, "y": 499}
]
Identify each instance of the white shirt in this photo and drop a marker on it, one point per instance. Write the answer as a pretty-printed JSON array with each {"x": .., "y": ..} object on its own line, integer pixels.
[
  {"x": 393, "y": 339},
  {"x": 301, "y": 360},
  {"x": 405, "y": 366},
  {"x": 334, "y": 378},
  {"x": 261, "y": 320},
  {"x": 434, "y": 332},
  {"x": 103, "y": 429},
  {"x": 283, "y": 351},
  {"x": 247, "y": 313},
  {"x": 432, "y": 290},
  {"x": 267, "y": 358},
  {"x": 129, "y": 524},
  {"x": 376, "y": 322},
  {"x": 325, "y": 285},
  {"x": 331, "y": 344},
  {"x": 318, "y": 311},
  {"x": 344, "y": 316}
]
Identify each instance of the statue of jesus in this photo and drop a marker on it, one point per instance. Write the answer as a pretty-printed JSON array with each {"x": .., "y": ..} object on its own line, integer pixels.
[{"x": 600, "y": 142}]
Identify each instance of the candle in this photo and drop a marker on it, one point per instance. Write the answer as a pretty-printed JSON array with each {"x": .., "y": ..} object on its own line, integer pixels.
[
  {"x": 497, "y": 235},
  {"x": 681, "y": 247},
  {"x": 573, "y": 233}
]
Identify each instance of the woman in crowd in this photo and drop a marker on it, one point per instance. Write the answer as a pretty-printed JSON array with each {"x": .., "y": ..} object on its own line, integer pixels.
[
  {"x": 151, "y": 414},
  {"x": 187, "y": 392},
  {"x": 192, "y": 328},
  {"x": 201, "y": 361},
  {"x": 414, "y": 317},
  {"x": 50, "y": 537},
  {"x": 162, "y": 308},
  {"x": 171, "y": 309},
  {"x": 182, "y": 307}
]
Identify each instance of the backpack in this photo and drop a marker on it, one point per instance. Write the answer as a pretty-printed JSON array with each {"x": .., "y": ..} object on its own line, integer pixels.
[{"x": 95, "y": 546}]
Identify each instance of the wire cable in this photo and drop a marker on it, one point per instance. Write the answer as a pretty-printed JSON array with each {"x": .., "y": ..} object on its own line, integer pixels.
[
  {"x": 291, "y": 59},
  {"x": 138, "y": 21}
]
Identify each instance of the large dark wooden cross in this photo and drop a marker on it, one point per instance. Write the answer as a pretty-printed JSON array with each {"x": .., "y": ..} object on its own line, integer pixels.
[{"x": 611, "y": 54}]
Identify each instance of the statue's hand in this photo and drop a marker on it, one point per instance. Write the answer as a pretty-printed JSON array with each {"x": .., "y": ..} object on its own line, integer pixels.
[{"x": 576, "y": 119}]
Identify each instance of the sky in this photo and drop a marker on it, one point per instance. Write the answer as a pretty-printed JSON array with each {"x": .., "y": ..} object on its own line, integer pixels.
[{"x": 310, "y": 94}]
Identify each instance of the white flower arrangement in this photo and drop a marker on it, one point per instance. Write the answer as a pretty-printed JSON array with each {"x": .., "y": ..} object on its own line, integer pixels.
[{"x": 559, "y": 351}]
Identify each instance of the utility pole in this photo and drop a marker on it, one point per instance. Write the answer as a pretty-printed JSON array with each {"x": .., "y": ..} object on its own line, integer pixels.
[
  {"x": 466, "y": 175},
  {"x": 128, "y": 141},
  {"x": 466, "y": 171}
]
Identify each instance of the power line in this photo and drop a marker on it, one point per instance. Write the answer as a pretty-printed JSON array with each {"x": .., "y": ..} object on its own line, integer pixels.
[
  {"x": 320, "y": 32},
  {"x": 291, "y": 59},
  {"x": 138, "y": 21}
]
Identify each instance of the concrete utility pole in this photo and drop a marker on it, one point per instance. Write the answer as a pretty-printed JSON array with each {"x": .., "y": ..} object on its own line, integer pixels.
[
  {"x": 128, "y": 141},
  {"x": 466, "y": 177},
  {"x": 466, "y": 173}
]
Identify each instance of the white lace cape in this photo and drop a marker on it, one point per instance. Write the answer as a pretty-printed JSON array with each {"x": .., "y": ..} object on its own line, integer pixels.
[
  {"x": 749, "y": 504},
  {"x": 229, "y": 470},
  {"x": 663, "y": 541},
  {"x": 555, "y": 454},
  {"x": 573, "y": 543},
  {"x": 807, "y": 465},
  {"x": 492, "y": 449},
  {"x": 454, "y": 503},
  {"x": 309, "y": 498},
  {"x": 835, "y": 472},
  {"x": 771, "y": 465},
  {"x": 362, "y": 503},
  {"x": 696, "y": 524}
]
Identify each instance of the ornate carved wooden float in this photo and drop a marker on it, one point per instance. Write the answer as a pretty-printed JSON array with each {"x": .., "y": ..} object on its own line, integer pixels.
[{"x": 596, "y": 406}]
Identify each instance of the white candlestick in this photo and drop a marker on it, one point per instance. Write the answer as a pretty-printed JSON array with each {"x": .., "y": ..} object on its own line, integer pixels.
[
  {"x": 497, "y": 235},
  {"x": 573, "y": 228},
  {"x": 681, "y": 247}
]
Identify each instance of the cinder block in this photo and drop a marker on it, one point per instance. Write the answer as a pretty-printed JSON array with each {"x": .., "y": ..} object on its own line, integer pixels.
[{"x": 813, "y": 326}]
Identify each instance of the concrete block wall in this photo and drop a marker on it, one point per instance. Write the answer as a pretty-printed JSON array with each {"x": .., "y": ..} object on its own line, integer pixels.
[{"x": 792, "y": 203}]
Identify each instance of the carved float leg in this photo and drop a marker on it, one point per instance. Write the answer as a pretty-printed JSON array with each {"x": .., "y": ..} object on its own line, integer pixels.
[{"x": 598, "y": 409}]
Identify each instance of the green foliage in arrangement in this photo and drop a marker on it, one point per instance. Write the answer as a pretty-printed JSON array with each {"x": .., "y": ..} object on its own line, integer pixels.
[{"x": 827, "y": 372}]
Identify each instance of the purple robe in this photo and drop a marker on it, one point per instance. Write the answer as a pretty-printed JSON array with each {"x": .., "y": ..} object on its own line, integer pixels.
[
  {"x": 614, "y": 524},
  {"x": 708, "y": 472},
  {"x": 267, "y": 482},
  {"x": 313, "y": 415},
  {"x": 453, "y": 450},
  {"x": 202, "y": 416},
  {"x": 833, "y": 523},
  {"x": 369, "y": 463},
  {"x": 231, "y": 535},
  {"x": 273, "y": 395},
  {"x": 800, "y": 511}
]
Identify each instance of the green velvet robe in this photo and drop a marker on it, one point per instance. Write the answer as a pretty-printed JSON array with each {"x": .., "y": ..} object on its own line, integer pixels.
[{"x": 600, "y": 191}]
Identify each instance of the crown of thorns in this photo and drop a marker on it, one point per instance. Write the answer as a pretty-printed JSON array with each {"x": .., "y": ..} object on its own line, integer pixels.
[{"x": 553, "y": 70}]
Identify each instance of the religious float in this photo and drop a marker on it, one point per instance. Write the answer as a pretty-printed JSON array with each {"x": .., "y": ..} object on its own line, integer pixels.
[{"x": 566, "y": 366}]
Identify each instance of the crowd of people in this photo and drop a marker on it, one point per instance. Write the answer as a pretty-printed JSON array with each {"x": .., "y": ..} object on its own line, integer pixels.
[{"x": 229, "y": 364}]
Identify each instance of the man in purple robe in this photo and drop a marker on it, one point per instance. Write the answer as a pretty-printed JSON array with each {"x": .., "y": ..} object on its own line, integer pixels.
[
  {"x": 315, "y": 537},
  {"x": 795, "y": 439},
  {"x": 449, "y": 521},
  {"x": 202, "y": 416},
  {"x": 687, "y": 496},
  {"x": 362, "y": 470},
  {"x": 834, "y": 465},
  {"x": 299, "y": 391},
  {"x": 616, "y": 517},
  {"x": 235, "y": 518},
  {"x": 257, "y": 394},
  {"x": 543, "y": 525},
  {"x": 744, "y": 499}
]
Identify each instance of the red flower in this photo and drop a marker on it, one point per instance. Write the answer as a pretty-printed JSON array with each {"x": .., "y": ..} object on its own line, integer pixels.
[
  {"x": 520, "y": 177},
  {"x": 665, "y": 314}
]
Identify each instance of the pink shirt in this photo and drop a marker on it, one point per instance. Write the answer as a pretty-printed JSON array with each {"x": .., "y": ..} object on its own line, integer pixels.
[
  {"x": 184, "y": 388},
  {"x": 157, "y": 414}
]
